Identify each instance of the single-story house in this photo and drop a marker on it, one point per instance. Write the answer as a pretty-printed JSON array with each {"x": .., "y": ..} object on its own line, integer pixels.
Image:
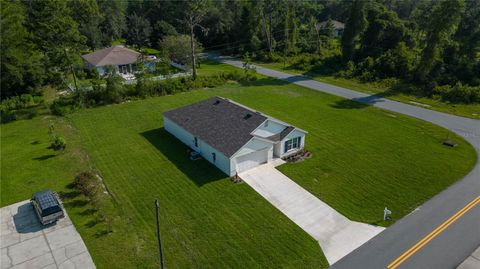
[
  {"x": 231, "y": 136},
  {"x": 121, "y": 58},
  {"x": 338, "y": 27}
]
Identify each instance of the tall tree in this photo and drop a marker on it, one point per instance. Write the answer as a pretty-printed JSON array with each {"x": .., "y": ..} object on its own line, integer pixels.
[
  {"x": 268, "y": 13},
  {"x": 443, "y": 20},
  {"x": 139, "y": 31},
  {"x": 355, "y": 25},
  {"x": 55, "y": 33},
  {"x": 384, "y": 31},
  {"x": 21, "y": 66},
  {"x": 113, "y": 23},
  {"x": 194, "y": 14},
  {"x": 88, "y": 16}
]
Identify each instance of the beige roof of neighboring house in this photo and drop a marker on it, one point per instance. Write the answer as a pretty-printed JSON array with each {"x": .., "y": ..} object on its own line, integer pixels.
[
  {"x": 336, "y": 24},
  {"x": 116, "y": 55}
]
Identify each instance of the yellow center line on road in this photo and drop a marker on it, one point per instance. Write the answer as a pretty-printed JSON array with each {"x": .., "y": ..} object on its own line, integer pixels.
[{"x": 433, "y": 234}]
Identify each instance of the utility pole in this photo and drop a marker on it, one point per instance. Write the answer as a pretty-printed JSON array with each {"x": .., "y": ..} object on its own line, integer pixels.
[
  {"x": 192, "y": 47},
  {"x": 162, "y": 265}
]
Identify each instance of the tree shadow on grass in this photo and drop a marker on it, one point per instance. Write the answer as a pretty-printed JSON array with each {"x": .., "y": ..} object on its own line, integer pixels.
[
  {"x": 44, "y": 157},
  {"x": 264, "y": 82},
  {"x": 76, "y": 203},
  {"x": 362, "y": 102},
  {"x": 200, "y": 171}
]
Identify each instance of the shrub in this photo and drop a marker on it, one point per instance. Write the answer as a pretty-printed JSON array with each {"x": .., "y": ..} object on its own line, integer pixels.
[
  {"x": 58, "y": 143},
  {"x": 86, "y": 182},
  {"x": 62, "y": 106},
  {"x": 397, "y": 62},
  {"x": 6, "y": 114},
  {"x": 349, "y": 70},
  {"x": 26, "y": 100},
  {"x": 459, "y": 93},
  {"x": 32, "y": 113}
]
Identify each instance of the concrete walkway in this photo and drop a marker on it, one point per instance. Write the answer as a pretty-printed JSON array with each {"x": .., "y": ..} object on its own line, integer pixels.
[
  {"x": 336, "y": 234},
  {"x": 25, "y": 243}
]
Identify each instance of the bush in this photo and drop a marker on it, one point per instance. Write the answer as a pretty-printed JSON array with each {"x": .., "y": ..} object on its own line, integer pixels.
[
  {"x": 32, "y": 113},
  {"x": 349, "y": 70},
  {"x": 62, "y": 106},
  {"x": 26, "y": 100},
  {"x": 58, "y": 144},
  {"x": 86, "y": 182},
  {"x": 6, "y": 114},
  {"x": 458, "y": 93}
]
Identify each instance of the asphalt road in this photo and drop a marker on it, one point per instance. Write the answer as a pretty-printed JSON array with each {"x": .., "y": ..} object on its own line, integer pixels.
[{"x": 450, "y": 246}]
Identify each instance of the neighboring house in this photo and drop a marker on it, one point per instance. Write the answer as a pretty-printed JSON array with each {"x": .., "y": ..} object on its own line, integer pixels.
[
  {"x": 337, "y": 27},
  {"x": 121, "y": 58},
  {"x": 233, "y": 137}
]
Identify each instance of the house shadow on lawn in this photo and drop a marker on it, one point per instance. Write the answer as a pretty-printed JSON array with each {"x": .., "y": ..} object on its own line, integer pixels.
[{"x": 200, "y": 171}]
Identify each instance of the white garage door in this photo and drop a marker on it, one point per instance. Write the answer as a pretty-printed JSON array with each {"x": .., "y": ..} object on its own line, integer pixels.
[{"x": 251, "y": 160}]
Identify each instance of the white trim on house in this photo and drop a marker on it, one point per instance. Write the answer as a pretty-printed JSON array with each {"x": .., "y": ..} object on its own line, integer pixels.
[{"x": 261, "y": 148}]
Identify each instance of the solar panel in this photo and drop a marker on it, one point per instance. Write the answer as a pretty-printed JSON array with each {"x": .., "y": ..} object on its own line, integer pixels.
[{"x": 46, "y": 199}]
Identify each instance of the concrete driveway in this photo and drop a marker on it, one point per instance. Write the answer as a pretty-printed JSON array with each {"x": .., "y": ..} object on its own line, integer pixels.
[
  {"x": 336, "y": 234},
  {"x": 454, "y": 244},
  {"x": 25, "y": 243}
]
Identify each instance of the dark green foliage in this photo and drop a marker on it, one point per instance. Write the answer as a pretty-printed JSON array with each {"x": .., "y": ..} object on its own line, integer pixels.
[
  {"x": 113, "y": 23},
  {"x": 21, "y": 66},
  {"x": 442, "y": 22},
  {"x": 355, "y": 25},
  {"x": 18, "y": 107},
  {"x": 459, "y": 93},
  {"x": 113, "y": 90},
  {"x": 55, "y": 33},
  {"x": 63, "y": 106},
  {"x": 138, "y": 30},
  {"x": 88, "y": 16},
  {"x": 384, "y": 31}
]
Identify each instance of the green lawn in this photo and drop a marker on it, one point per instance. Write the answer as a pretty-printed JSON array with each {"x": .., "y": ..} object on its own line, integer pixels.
[
  {"x": 465, "y": 110},
  {"x": 363, "y": 159}
]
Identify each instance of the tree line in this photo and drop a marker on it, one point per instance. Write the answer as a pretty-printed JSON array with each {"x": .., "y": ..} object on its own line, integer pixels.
[{"x": 432, "y": 44}]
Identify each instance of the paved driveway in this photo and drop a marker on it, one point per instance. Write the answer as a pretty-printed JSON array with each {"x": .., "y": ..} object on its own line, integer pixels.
[
  {"x": 336, "y": 234},
  {"x": 451, "y": 246},
  {"x": 25, "y": 243}
]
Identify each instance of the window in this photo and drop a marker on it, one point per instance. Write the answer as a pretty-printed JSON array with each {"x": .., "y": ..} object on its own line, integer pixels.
[
  {"x": 266, "y": 123},
  {"x": 293, "y": 143},
  {"x": 195, "y": 140},
  {"x": 214, "y": 156}
]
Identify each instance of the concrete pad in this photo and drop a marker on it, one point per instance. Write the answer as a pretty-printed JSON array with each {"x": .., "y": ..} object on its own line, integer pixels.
[
  {"x": 336, "y": 234},
  {"x": 37, "y": 262},
  {"x": 62, "y": 237},
  {"x": 26, "y": 243},
  {"x": 28, "y": 250}
]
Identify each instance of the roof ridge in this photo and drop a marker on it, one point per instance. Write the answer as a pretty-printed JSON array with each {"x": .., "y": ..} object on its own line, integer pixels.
[{"x": 109, "y": 49}]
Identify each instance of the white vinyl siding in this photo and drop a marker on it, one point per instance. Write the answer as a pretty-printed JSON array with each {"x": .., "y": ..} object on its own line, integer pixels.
[
  {"x": 297, "y": 142},
  {"x": 205, "y": 150}
]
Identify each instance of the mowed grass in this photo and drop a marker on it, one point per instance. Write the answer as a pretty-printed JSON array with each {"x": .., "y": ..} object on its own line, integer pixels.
[
  {"x": 207, "y": 221},
  {"x": 363, "y": 160},
  {"x": 464, "y": 110}
]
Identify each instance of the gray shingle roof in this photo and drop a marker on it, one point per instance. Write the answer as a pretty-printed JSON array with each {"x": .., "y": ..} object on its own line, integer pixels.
[
  {"x": 222, "y": 124},
  {"x": 116, "y": 55}
]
